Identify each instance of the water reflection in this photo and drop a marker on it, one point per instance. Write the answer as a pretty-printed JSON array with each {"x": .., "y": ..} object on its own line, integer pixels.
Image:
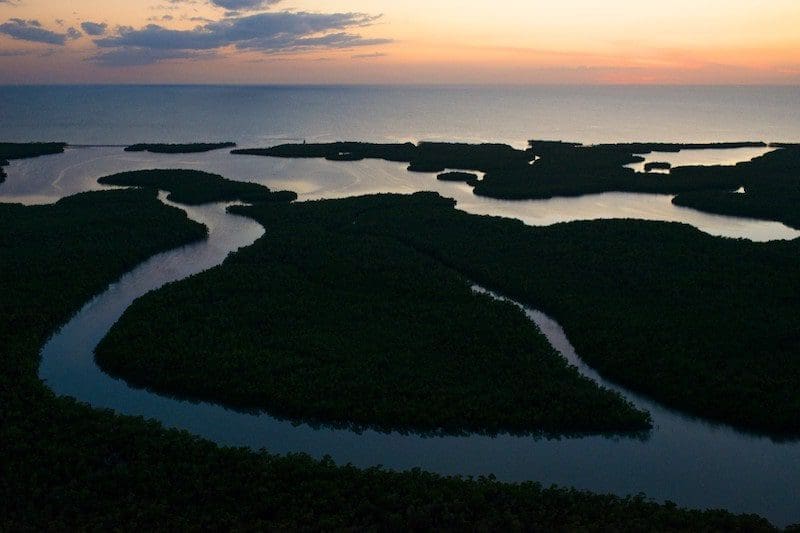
[{"x": 684, "y": 158}]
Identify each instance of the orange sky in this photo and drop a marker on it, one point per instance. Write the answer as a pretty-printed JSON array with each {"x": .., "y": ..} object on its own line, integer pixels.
[{"x": 410, "y": 41}]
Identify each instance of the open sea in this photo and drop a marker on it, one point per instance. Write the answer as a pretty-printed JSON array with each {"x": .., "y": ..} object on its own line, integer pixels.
[{"x": 263, "y": 115}]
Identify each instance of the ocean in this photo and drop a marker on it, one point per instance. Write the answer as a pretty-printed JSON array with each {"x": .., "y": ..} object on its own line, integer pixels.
[{"x": 264, "y": 115}]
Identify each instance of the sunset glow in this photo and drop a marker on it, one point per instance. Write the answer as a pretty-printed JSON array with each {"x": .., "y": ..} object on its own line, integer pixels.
[{"x": 415, "y": 41}]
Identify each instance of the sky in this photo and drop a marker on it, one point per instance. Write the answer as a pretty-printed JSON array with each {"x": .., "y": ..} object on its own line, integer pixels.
[{"x": 400, "y": 41}]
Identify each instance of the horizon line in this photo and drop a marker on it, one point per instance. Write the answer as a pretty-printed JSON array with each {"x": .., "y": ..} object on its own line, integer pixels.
[{"x": 426, "y": 85}]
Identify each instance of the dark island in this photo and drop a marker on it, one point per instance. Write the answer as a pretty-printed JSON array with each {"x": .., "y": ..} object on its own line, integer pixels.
[
  {"x": 657, "y": 165},
  {"x": 192, "y": 148},
  {"x": 67, "y": 466},
  {"x": 320, "y": 321},
  {"x": 9, "y": 151},
  {"x": 466, "y": 177},
  {"x": 424, "y": 157},
  {"x": 352, "y": 151},
  {"x": 193, "y": 187},
  {"x": 696, "y": 319}
]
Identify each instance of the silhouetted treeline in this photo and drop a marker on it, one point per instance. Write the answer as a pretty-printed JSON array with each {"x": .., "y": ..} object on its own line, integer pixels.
[
  {"x": 194, "y": 187},
  {"x": 424, "y": 157},
  {"x": 191, "y": 148},
  {"x": 657, "y": 165},
  {"x": 467, "y": 177},
  {"x": 338, "y": 150}
]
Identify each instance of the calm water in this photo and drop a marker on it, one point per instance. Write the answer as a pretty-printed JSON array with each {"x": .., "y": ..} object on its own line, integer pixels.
[
  {"x": 46, "y": 179},
  {"x": 685, "y": 460},
  {"x": 255, "y": 116}
]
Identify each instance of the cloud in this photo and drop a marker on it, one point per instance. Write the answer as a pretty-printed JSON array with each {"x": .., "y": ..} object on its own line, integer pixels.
[
  {"x": 271, "y": 32},
  {"x": 131, "y": 57},
  {"x": 94, "y": 28},
  {"x": 331, "y": 40},
  {"x": 157, "y": 37},
  {"x": 32, "y": 30},
  {"x": 244, "y": 5}
]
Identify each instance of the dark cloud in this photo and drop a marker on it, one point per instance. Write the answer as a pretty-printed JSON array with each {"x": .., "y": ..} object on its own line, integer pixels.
[
  {"x": 32, "y": 30},
  {"x": 131, "y": 57},
  {"x": 332, "y": 40},
  {"x": 244, "y": 5},
  {"x": 158, "y": 37},
  {"x": 266, "y": 32},
  {"x": 94, "y": 28}
]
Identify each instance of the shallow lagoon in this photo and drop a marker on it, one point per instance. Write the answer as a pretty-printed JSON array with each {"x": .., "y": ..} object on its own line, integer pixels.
[{"x": 48, "y": 178}]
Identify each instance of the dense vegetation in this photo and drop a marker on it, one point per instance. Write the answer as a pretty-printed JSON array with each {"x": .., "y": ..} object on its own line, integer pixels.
[
  {"x": 65, "y": 466},
  {"x": 703, "y": 324},
  {"x": 316, "y": 321},
  {"x": 657, "y": 165},
  {"x": 553, "y": 168},
  {"x": 9, "y": 151},
  {"x": 771, "y": 183},
  {"x": 467, "y": 177},
  {"x": 706, "y": 325},
  {"x": 192, "y": 148},
  {"x": 424, "y": 157},
  {"x": 567, "y": 169},
  {"x": 336, "y": 151},
  {"x": 194, "y": 187}
]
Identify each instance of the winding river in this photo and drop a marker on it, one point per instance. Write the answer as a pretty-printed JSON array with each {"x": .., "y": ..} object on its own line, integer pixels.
[{"x": 689, "y": 461}]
